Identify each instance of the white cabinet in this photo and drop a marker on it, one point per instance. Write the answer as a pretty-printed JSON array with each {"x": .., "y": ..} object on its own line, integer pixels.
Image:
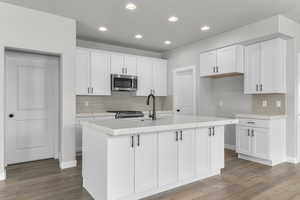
[
  {"x": 167, "y": 158},
  {"x": 261, "y": 141},
  {"x": 152, "y": 76},
  {"x": 209, "y": 150},
  {"x": 145, "y": 162},
  {"x": 265, "y": 67},
  {"x": 92, "y": 73},
  {"x": 123, "y": 64},
  {"x": 221, "y": 62}
]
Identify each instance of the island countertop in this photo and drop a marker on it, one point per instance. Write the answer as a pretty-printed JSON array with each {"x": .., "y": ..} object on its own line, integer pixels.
[{"x": 120, "y": 127}]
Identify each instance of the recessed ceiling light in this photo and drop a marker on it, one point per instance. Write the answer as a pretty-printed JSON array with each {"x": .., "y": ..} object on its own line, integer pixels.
[
  {"x": 205, "y": 28},
  {"x": 173, "y": 19},
  {"x": 138, "y": 36},
  {"x": 102, "y": 28},
  {"x": 130, "y": 6},
  {"x": 167, "y": 42}
]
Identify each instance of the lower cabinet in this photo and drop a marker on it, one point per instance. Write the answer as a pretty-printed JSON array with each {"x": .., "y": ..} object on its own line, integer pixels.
[{"x": 261, "y": 141}]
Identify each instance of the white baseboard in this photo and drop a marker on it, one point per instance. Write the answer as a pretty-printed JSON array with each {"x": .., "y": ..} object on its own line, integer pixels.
[
  {"x": 230, "y": 147},
  {"x": 69, "y": 164},
  {"x": 2, "y": 176},
  {"x": 292, "y": 160}
]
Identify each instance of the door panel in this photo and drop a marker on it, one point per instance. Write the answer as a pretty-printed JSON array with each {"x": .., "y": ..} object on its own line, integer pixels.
[
  {"x": 208, "y": 61},
  {"x": 145, "y": 74},
  {"x": 146, "y": 162},
  {"x": 243, "y": 140},
  {"x": 32, "y": 98},
  {"x": 186, "y": 155},
  {"x": 226, "y": 60},
  {"x": 130, "y": 63},
  {"x": 260, "y": 143},
  {"x": 202, "y": 151},
  {"x": 121, "y": 167},
  {"x": 100, "y": 74},
  {"x": 217, "y": 149},
  {"x": 82, "y": 72},
  {"x": 252, "y": 69},
  {"x": 167, "y": 158},
  {"x": 117, "y": 63},
  {"x": 160, "y": 77}
]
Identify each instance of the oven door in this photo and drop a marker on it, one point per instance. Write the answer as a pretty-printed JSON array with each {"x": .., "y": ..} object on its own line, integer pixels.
[{"x": 123, "y": 83}]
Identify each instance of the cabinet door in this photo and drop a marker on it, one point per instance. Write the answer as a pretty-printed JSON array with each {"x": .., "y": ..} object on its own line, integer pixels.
[
  {"x": 186, "y": 150},
  {"x": 130, "y": 65},
  {"x": 100, "y": 74},
  {"x": 208, "y": 61},
  {"x": 167, "y": 158},
  {"x": 120, "y": 167},
  {"x": 145, "y": 162},
  {"x": 243, "y": 140},
  {"x": 226, "y": 60},
  {"x": 217, "y": 148},
  {"x": 260, "y": 143},
  {"x": 273, "y": 64},
  {"x": 252, "y": 69},
  {"x": 202, "y": 146},
  {"x": 160, "y": 77},
  {"x": 145, "y": 74},
  {"x": 82, "y": 71},
  {"x": 117, "y": 64}
]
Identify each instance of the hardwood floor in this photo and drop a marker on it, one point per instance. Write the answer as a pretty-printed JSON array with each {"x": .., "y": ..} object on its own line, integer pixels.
[{"x": 240, "y": 180}]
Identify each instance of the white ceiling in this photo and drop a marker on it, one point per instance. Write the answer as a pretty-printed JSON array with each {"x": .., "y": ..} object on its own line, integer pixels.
[{"x": 150, "y": 18}]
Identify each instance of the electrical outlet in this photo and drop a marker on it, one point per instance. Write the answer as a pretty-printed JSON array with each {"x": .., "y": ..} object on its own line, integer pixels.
[
  {"x": 264, "y": 103},
  {"x": 221, "y": 103},
  {"x": 278, "y": 104},
  {"x": 86, "y": 103}
]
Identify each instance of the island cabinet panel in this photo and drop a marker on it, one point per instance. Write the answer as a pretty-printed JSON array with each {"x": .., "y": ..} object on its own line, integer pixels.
[
  {"x": 120, "y": 167},
  {"x": 186, "y": 152},
  {"x": 167, "y": 158},
  {"x": 243, "y": 137},
  {"x": 145, "y": 162},
  {"x": 217, "y": 148}
]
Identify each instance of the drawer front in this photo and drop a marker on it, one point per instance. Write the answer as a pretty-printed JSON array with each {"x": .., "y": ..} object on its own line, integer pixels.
[{"x": 254, "y": 123}]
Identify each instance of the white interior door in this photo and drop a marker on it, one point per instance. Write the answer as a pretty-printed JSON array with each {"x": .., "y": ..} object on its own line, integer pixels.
[
  {"x": 31, "y": 106},
  {"x": 184, "y": 91}
]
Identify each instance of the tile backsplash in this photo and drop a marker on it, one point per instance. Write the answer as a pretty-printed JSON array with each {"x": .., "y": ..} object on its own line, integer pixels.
[
  {"x": 118, "y": 101},
  {"x": 269, "y": 104}
]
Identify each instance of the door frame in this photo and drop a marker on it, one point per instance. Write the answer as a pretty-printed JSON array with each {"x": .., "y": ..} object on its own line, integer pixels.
[
  {"x": 191, "y": 68},
  {"x": 56, "y": 136}
]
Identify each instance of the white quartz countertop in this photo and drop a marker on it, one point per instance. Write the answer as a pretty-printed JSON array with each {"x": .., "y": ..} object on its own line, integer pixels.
[
  {"x": 260, "y": 116},
  {"x": 119, "y": 127}
]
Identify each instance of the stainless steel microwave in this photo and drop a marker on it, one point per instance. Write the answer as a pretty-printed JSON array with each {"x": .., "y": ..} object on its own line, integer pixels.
[{"x": 123, "y": 82}]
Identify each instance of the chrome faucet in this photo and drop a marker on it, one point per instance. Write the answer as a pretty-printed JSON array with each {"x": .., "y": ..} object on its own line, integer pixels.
[{"x": 153, "y": 115}]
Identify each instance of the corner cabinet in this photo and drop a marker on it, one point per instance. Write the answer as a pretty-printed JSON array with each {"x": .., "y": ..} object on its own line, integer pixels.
[
  {"x": 265, "y": 67},
  {"x": 92, "y": 72},
  {"x": 152, "y": 76},
  {"x": 261, "y": 141},
  {"x": 139, "y": 165},
  {"x": 222, "y": 62}
]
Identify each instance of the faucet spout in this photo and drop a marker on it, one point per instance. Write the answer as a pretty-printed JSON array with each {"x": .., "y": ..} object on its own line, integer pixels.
[{"x": 153, "y": 115}]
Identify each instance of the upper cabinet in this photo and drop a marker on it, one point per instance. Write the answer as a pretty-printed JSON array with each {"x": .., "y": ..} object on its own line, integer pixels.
[
  {"x": 92, "y": 73},
  {"x": 265, "y": 67},
  {"x": 123, "y": 64},
  {"x": 152, "y": 76},
  {"x": 222, "y": 62}
]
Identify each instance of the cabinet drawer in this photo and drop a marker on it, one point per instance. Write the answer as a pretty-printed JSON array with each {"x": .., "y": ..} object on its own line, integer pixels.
[{"x": 255, "y": 123}]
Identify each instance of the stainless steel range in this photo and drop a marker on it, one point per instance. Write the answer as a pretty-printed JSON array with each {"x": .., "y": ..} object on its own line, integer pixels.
[{"x": 127, "y": 114}]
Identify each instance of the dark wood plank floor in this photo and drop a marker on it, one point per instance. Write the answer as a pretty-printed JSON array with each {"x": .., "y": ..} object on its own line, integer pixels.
[{"x": 240, "y": 180}]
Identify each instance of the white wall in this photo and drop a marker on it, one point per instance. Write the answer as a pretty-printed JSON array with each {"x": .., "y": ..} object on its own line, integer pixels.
[
  {"x": 32, "y": 30},
  {"x": 230, "y": 90},
  {"x": 115, "y": 48}
]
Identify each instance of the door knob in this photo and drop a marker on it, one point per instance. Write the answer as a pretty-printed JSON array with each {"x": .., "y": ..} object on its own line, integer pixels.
[{"x": 11, "y": 115}]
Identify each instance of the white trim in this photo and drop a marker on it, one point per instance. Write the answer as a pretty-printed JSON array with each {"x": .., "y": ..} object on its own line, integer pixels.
[
  {"x": 229, "y": 146},
  {"x": 3, "y": 176},
  {"x": 293, "y": 160},
  {"x": 183, "y": 69},
  {"x": 69, "y": 164}
]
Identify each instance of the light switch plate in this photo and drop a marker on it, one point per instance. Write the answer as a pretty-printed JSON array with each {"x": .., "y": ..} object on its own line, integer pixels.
[
  {"x": 264, "y": 103},
  {"x": 278, "y": 104}
]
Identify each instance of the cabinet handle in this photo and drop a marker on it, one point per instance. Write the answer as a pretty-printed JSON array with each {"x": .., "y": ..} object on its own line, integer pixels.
[
  {"x": 261, "y": 87},
  {"x": 252, "y": 132},
  {"x": 209, "y": 132},
  {"x": 248, "y": 132},
  {"x": 250, "y": 122},
  {"x": 176, "y": 136},
  {"x": 88, "y": 90},
  {"x": 126, "y": 70},
  {"x": 138, "y": 140},
  {"x": 181, "y": 135},
  {"x": 213, "y": 131},
  {"x": 214, "y": 69},
  {"x": 256, "y": 87},
  {"x": 217, "y": 69},
  {"x": 132, "y": 141},
  {"x": 92, "y": 90}
]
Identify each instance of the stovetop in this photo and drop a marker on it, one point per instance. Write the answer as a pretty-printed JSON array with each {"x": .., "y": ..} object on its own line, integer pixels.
[{"x": 126, "y": 113}]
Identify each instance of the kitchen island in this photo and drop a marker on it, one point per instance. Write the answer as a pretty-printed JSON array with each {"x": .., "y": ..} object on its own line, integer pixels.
[{"x": 136, "y": 158}]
